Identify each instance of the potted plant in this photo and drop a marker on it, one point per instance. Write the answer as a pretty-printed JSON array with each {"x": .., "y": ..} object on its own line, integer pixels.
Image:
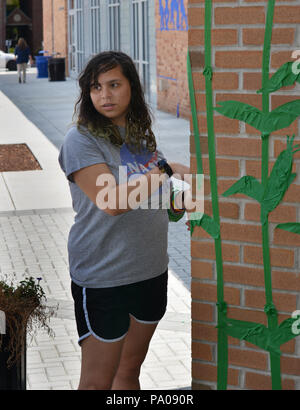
[{"x": 23, "y": 310}]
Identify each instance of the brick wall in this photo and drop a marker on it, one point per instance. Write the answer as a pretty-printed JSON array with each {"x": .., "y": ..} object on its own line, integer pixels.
[
  {"x": 55, "y": 21},
  {"x": 237, "y": 39},
  {"x": 37, "y": 24},
  {"x": 171, "y": 50}
]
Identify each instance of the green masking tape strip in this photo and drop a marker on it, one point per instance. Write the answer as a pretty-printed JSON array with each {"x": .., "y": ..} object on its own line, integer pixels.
[
  {"x": 272, "y": 318},
  {"x": 222, "y": 336},
  {"x": 194, "y": 116}
]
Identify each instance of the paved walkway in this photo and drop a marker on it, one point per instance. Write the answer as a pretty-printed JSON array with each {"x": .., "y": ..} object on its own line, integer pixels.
[{"x": 35, "y": 218}]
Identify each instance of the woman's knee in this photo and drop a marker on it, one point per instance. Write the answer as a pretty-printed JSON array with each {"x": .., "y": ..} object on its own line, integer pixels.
[
  {"x": 95, "y": 382},
  {"x": 130, "y": 369}
]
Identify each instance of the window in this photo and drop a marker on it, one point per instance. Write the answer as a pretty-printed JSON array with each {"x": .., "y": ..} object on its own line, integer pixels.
[
  {"x": 95, "y": 25},
  {"x": 76, "y": 35},
  {"x": 140, "y": 38},
  {"x": 114, "y": 24},
  {"x": 80, "y": 34}
]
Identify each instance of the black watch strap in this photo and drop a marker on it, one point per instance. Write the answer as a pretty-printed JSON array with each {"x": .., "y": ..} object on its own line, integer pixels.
[{"x": 165, "y": 167}]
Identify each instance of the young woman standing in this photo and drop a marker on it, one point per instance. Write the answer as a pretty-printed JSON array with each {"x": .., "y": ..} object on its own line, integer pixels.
[
  {"x": 23, "y": 55},
  {"x": 117, "y": 254}
]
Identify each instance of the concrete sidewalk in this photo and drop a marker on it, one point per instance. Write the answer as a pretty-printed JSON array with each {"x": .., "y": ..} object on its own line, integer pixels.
[{"x": 35, "y": 218}]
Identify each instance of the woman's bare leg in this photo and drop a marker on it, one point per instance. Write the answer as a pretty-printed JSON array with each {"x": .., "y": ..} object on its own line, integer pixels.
[
  {"x": 100, "y": 361},
  {"x": 133, "y": 355}
]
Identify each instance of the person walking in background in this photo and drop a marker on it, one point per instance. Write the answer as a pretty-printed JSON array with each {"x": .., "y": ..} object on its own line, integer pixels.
[
  {"x": 23, "y": 55},
  {"x": 117, "y": 255}
]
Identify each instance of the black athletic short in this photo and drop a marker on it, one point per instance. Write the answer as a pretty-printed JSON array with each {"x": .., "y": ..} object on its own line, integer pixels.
[{"x": 105, "y": 312}]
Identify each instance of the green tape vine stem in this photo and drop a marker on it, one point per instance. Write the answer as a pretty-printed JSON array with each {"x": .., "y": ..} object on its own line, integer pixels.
[
  {"x": 268, "y": 193},
  {"x": 211, "y": 225}
]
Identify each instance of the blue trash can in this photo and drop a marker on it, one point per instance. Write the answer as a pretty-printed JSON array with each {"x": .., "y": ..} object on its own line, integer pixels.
[{"x": 42, "y": 65}]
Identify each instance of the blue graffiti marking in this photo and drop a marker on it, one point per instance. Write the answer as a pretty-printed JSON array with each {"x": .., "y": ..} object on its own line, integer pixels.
[{"x": 177, "y": 6}]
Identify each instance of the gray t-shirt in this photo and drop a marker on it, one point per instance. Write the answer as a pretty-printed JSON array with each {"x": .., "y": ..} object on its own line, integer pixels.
[{"x": 105, "y": 250}]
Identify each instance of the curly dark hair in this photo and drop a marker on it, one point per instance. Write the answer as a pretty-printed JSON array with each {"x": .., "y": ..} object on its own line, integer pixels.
[{"x": 138, "y": 119}]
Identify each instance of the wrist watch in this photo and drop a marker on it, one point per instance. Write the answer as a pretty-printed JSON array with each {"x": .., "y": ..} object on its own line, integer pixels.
[{"x": 165, "y": 167}]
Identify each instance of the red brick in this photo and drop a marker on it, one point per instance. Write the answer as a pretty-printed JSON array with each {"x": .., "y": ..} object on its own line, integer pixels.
[
  {"x": 248, "y": 358},
  {"x": 202, "y": 351},
  {"x": 282, "y": 237},
  {"x": 280, "y": 57},
  {"x": 227, "y": 209},
  {"x": 201, "y": 270},
  {"x": 200, "y": 102},
  {"x": 277, "y": 100},
  {"x": 287, "y": 14},
  {"x": 293, "y": 194},
  {"x": 279, "y": 257},
  {"x": 288, "y": 347},
  {"x": 195, "y": 16},
  {"x": 256, "y": 381},
  {"x": 219, "y": 37},
  {"x": 205, "y": 332},
  {"x": 208, "y": 292},
  {"x": 225, "y": 167},
  {"x": 286, "y": 280},
  {"x": 239, "y": 15},
  {"x": 243, "y": 275},
  {"x": 221, "y": 125},
  {"x": 202, "y": 311},
  {"x": 241, "y": 232},
  {"x": 208, "y": 372},
  {"x": 206, "y": 251},
  {"x": 279, "y": 36},
  {"x": 238, "y": 147},
  {"x": 283, "y": 213},
  {"x": 221, "y": 81},
  {"x": 284, "y": 302},
  {"x": 203, "y": 143},
  {"x": 290, "y": 365},
  {"x": 238, "y": 59},
  {"x": 249, "y": 315}
]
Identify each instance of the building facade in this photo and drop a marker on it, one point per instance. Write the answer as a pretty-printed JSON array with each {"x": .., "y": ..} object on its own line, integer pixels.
[
  {"x": 79, "y": 29},
  {"x": 152, "y": 32},
  {"x": 171, "y": 51},
  {"x": 21, "y": 18}
]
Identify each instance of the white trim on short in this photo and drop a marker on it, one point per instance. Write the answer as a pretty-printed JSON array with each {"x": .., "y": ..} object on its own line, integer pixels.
[
  {"x": 91, "y": 332},
  {"x": 144, "y": 321}
]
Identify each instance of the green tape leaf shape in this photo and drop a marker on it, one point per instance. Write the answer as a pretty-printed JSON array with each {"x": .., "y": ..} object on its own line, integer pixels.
[
  {"x": 208, "y": 224},
  {"x": 247, "y": 185},
  {"x": 283, "y": 77},
  {"x": 290, "y": 227},
  {"x": 259, "y": 335},
  {"x": 280, "y": 117},
  {"x": 279, "y": 180},
  {"x": 255, "y": 333}
]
